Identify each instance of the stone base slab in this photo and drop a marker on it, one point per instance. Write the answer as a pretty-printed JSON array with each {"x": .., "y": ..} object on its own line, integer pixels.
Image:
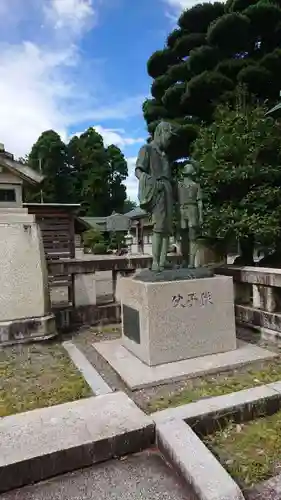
[
  {"x": 138, "y": 375},
  {"x": 27, "y": 330},
  {"x": 46, "y": 442}
]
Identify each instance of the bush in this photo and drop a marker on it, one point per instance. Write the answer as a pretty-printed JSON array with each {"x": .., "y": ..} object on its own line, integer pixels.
[
  {"x": 99, "y": 248},
  {"x": 92, "y": 237}
]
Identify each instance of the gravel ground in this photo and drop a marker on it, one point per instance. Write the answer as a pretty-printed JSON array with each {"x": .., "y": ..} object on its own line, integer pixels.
[
  {"x": 84, "y": 340},
  {"x": 144, "y": 476}
]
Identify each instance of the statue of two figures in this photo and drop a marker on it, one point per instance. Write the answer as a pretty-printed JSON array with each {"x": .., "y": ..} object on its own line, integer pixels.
[{"x": 157, "y": 197}]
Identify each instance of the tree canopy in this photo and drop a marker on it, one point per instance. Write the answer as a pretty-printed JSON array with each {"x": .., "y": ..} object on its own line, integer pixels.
[
  {"x": 82, "y": 171},
  {"x": 216, "y": 47},
  {"x": 238, "y": 160},
  {"x": 49, "y": 154}
]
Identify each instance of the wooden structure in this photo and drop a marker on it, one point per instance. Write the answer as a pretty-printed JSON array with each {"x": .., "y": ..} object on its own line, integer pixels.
[
  {"x": 56, "y": 222},
  {"x": 13, "y": 175}
]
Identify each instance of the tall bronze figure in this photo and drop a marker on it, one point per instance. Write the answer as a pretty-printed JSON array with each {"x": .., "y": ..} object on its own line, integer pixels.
[
  {"x": 155, "y": 191},
  {"x": 191, "y": 216}
]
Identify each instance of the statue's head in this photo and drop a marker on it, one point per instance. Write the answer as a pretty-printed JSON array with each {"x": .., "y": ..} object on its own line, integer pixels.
[
  {"x": 188, "y": 170},
  {"x": 163, "y": 134}
]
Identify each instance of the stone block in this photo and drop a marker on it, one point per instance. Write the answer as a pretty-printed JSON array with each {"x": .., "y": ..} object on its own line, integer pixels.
[
  {"x": 24, "y": 281},
  {"x": 171, "y": 321},
  {"x": 46, "y": 442},
  {"x": 27, "y": 330},
  {"x": 240, "y": 401},
  {"x": 85, "y": 290},
  {"x": 196, "y": 464}
]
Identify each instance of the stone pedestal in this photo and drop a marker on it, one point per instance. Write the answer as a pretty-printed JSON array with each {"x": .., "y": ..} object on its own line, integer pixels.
[
  {"x": 24, "y": 294},
  {"x": 169, "y": 321}
]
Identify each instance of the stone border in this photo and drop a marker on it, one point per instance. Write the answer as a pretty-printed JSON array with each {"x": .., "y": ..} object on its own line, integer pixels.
[
  {"x": 92, "y": 377},
  {"x": 20, "y": 331},
  {"x": 243, "y": 405},
  {"x": 200, "y": 468},
  {"x": 46, "y": 442}
]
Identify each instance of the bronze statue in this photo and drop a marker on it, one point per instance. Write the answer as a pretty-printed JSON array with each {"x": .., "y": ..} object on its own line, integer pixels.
[
  {"x": 155, "y": 191},
  {"x": 191, "y": 208}
]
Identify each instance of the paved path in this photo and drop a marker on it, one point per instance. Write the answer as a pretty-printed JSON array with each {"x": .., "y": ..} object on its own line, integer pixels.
[{"x": 144, "y": 476}]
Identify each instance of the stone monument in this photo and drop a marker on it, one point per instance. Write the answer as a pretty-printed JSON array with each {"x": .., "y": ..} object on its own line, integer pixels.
[
  {"x": 191, "y": 214},
  {"x": 155, "y": 191},
  {"x": 24, "y": 295},
  {"x": 170, "y": 315},
  {"x": 177, "y": 322}
]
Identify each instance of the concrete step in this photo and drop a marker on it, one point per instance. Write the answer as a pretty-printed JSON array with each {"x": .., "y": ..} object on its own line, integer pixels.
[{"x": 46, "y": 442}]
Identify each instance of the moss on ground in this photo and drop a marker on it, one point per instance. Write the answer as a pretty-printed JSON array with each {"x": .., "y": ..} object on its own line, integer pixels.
[
  {"x": 38, "y": 375},
  {"x": 250, "y": 452},
  {"x": 218, "y": 385}
]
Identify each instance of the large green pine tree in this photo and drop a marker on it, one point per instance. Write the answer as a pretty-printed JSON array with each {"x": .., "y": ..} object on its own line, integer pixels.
[
  {"x": 215, "y": 47},
  {"x": 118, "y": 172},
  {"x": 83, "y": 171},
  {"x": 88, "y": 158},
  {"x": 49, "y": 154},
  {"x": 98, "y": 174}
]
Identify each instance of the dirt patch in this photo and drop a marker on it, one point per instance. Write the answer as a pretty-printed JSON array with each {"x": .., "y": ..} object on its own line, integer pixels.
[{"x": 38, "y": 375}]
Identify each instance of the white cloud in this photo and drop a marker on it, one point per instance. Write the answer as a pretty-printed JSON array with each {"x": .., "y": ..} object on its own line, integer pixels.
[
  {"x": 115, "y": 136},
  {"x": 131, "y": 181},
  {"x": 45, "y": 87},
  {"x": 70, "y": 14},
  {"x": 31, "y": 88},
  {"x": 179, "y": 5}
]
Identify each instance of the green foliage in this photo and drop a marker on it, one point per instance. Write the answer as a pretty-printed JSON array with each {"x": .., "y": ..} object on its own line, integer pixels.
[
  {"x": 205, "y": 90},
  {"x": 160, "y": 85},
  {"x": 232, "y": 67},
  {"x": 99, "y": 249},
  {"x": 159, "y": 62},
  {"x": 189, "y": 42},
  {"x": 172, "y": 97},
  {"x": 116, "y": 241},
  {"x": 179, "y": 72},
  {"x": 203, "y": 58},
  {"x": 223, "y": 33},
  {"x": 117, "y": 173},
  {"x": 129, "y": 205},
  {"x": 49, "y": 155},
  {"x": 198, "y": 18},
  {"x": 92, "y": 237},
  {"x": 256, "y": 79},
  {"x": 239, "y": 5},
  {"x": 98, "y": 174},
  {"x": 153, "y": 110},
  {"x": 264, "y": 18},
  {"x": 173, "y": 37},
  {"x": 83, "y": 171},
  {"x": 215, "y": 48},
  {"x": 238, "y": 163}
]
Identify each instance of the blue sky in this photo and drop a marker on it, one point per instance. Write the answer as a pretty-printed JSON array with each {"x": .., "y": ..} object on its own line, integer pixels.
[{"x": 70, "y": 64}]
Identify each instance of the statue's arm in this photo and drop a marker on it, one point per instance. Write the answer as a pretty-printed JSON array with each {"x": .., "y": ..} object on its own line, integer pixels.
[
  {"x": 142, "y": 163},
  {"x": 200, "y": 204}
]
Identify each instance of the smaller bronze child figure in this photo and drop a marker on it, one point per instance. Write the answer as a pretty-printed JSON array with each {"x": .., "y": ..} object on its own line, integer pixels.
[{"x": 191, "y": 216}]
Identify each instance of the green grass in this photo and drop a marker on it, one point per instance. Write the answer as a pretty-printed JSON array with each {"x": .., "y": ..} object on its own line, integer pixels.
[
  {"x": 218, "y": 385},
  {"x": 38, "y": 375},
  {"x": 250, "y": 452}
]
